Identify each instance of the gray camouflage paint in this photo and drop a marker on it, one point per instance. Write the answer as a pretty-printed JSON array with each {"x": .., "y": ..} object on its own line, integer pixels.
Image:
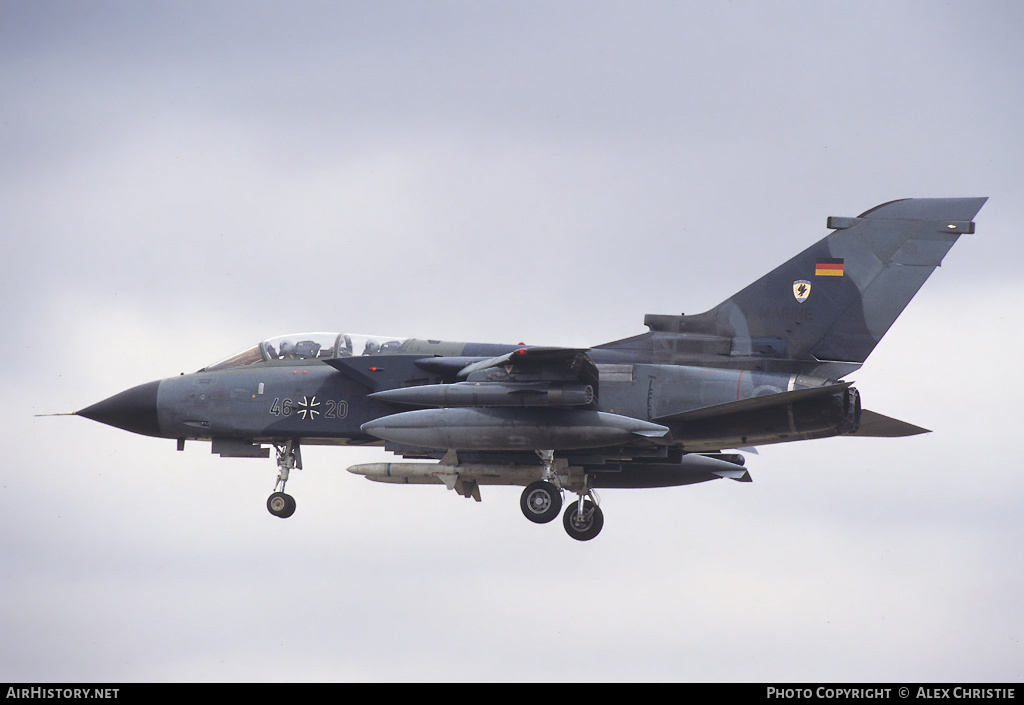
[{"x": 764, "y": 366}]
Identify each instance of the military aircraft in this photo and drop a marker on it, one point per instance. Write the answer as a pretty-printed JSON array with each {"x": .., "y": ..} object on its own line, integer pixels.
[{"x": 658, "y": 409}]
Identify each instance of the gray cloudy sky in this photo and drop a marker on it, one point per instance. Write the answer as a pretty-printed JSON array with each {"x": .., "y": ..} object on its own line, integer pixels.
[{"x": 180, "y": 180}]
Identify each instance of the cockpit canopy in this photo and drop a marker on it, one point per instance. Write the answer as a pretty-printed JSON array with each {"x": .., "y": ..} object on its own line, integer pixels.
[{"x": 307, "y": 346}]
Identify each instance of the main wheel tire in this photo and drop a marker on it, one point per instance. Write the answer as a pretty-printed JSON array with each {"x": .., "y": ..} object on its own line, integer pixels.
[
  {"x": 586, "y": 527},
  {"x": 281, "y": 505},
  {"x": 541, "y": 501}
]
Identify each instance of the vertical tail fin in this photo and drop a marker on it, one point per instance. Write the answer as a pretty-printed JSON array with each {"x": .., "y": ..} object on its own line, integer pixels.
[{"x": 836, "y": 299}]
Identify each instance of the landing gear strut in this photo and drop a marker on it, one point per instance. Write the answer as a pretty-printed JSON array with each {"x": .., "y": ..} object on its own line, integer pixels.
[{"x": 288, "y": 457}]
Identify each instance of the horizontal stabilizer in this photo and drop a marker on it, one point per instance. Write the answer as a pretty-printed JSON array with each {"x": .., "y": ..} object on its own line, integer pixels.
[
  {"x": 754, "y": 403},
  {"x": 874, "y": 425}
]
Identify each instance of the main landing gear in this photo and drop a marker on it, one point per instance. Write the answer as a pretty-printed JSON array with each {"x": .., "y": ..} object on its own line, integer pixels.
[
  {"x": 541, "y": 502},
  {"x": 583, "y": 519},
  {"x": 288, "y": 457}
]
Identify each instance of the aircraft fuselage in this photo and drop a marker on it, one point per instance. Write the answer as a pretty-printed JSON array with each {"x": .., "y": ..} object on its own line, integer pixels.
[{"x": 312, "y": 402}]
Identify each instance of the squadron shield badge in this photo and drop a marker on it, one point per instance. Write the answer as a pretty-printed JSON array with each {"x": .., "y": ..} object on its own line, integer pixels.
[{"x": 801, "y": 290}]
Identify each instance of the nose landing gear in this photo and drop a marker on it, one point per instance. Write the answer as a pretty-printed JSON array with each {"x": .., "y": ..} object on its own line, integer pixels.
[
  {"x": 281, "y": 505},
  {"x": 288, "y": 457}
]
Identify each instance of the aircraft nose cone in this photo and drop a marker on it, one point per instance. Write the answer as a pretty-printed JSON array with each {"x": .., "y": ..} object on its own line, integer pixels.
[{"x": 133, "y": 410}]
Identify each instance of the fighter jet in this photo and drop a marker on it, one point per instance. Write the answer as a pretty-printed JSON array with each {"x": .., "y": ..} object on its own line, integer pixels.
[{"x": 664, "y": 408}]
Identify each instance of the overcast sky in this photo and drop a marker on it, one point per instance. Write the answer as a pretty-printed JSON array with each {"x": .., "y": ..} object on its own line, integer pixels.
[{"x": 180, "y": 180}]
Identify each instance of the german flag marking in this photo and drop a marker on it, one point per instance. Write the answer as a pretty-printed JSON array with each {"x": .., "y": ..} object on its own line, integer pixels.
[{"x": 829, "y": 267}]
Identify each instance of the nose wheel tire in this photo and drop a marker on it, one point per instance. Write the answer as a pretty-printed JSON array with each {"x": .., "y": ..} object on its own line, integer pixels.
[
  {"x": 585, "y": 526},
  {"x": 281, "y": 505},
  {"x": 541, "y": 502}
]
